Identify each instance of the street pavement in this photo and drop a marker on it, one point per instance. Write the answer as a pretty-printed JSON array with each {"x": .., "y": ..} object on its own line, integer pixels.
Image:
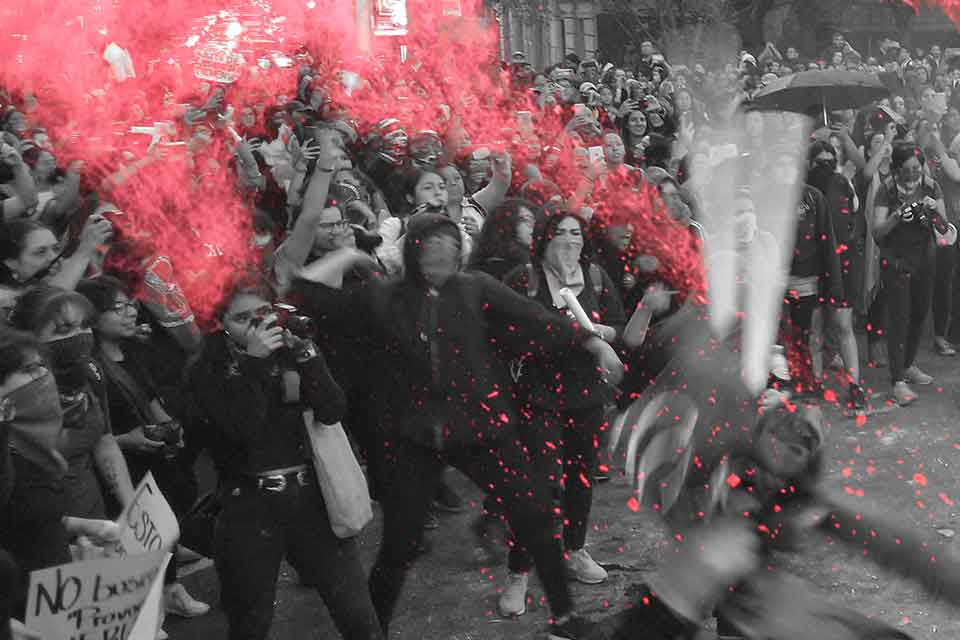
[{"x": 902, "y": 461}]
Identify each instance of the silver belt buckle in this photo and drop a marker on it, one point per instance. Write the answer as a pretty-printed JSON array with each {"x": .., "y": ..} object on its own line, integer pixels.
[{"x": 282, "y": 486}]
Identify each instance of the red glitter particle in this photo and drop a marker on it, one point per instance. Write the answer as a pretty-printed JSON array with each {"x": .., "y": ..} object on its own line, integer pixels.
[
  {"x": 733, "y": 480},
  {"x": 920, "y": 479},
  {"x": 633, "y": 504},
  {"x": 847, "y": 472},
  {"x": 861, "y": 420},
  {"x": 945, "y": 498},
  {"x": 830, "y": 396}
]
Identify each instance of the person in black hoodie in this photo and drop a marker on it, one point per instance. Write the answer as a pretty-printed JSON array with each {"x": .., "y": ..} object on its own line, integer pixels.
[
  {"x": 249, "y": 392},
  {"x": 448, "y": 402}
]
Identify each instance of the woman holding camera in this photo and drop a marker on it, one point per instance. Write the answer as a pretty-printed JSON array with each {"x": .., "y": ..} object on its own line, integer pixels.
[
  {"x": 909, "y": 220},
  {"x": 250, "y": 390},
  {"x": 149, "y": 438}
]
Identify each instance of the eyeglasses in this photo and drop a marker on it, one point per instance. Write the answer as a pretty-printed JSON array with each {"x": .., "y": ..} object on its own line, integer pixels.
[
  {"x": 121, "y": 307},
  {"x": 332, "y": 226}
]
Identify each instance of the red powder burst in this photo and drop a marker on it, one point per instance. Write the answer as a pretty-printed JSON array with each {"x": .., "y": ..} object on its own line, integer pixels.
[{"x": 54, "y": 51}]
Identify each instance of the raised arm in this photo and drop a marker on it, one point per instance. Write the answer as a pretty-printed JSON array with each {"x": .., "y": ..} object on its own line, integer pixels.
[
  {"x": 22, "y": 184},
  {"x": 492, "y": 195}
]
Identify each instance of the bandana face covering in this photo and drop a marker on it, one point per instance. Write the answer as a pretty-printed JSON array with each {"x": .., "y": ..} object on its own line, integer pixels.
[
  {"x": 36, "y": 423},
  {"x": 70, "y": 358}
]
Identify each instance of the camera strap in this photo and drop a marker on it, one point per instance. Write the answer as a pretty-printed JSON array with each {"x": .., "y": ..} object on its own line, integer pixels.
[{"x": 290, "y": 380}]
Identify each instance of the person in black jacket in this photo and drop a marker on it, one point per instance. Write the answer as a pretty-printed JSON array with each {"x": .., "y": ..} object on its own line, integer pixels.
[
  {"x": 251, "y": 388},
  {"x": 567, "y": 388},
  {"x": 448, "y": 402},
  {"x": 815, "y": 275}
]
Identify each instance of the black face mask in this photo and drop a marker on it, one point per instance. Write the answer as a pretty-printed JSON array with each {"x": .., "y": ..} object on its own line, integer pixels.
[
  {"x": 821, "y": 172},
  {"x": 70, "y": 359}
]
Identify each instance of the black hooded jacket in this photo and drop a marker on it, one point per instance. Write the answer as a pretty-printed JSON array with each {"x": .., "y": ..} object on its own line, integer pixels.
[
  {"x": 444, "y": 381},
  {"x": 237, "y": 404}
]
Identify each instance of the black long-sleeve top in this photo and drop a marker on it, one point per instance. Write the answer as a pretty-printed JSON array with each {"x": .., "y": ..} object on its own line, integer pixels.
[
  {"x": 570, "y": 380},
  {"x": 815, "y": 249},
  {"x": 444, "y": 382},
  {"x": 241, "y": 412}
]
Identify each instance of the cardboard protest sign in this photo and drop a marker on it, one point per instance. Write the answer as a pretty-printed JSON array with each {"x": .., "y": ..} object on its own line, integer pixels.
[
  {"x": 148, "y": 522},
  {"x": 92, "y": 600}
]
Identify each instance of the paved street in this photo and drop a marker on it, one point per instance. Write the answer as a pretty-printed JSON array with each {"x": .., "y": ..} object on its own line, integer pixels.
[{"x": 903, "y": 460}]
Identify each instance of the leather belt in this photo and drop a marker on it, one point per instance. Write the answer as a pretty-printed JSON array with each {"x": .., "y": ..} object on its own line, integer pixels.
[{"x": 277, "y": 480}]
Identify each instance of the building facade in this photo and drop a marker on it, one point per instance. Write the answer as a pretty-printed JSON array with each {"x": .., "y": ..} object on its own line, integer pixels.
[{"x": 549, "y": 29}]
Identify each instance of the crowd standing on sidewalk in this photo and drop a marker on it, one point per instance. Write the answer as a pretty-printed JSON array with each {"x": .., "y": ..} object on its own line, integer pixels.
[{"x": 488, "y": 301}]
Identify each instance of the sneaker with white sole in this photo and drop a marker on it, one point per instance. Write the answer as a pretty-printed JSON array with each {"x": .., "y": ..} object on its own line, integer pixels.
[
  {"x": 943, "y": 347},
  {"x": 903, "y": 394},
  {"x": 513, "y": 600},
  {"x": 177, "y": 602},
  {"x": 916, "y": 376},
  {"x": 582, "y": 568}
]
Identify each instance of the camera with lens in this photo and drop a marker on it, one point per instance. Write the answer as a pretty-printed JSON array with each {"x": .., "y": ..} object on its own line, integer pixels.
[
  {"x": 170, "y": 433},
  {"x": 165, "y": 432},
  {"x": 287, "y": 318},
  {"x": 300, "y": 331},
  {"x": 916, "y": 211}
]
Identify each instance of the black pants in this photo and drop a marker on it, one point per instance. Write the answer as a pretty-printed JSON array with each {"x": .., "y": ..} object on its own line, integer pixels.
[
  {"x": 570, "y": 462},
  {"x": 798, "y": 322},
  {"x": 908, "y": 298},
  {"x": 877, "y": 319},
  {"x": 952, "y": 325},
  {"x": 943, "y": 289},
  {"x": 9, "y": 579},
  {"x": 412, "y": 473},
  {"x": 256, "y": 529}
]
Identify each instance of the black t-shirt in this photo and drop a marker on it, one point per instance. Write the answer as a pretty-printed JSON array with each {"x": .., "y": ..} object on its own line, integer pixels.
[{"x": 910, "y": 242}]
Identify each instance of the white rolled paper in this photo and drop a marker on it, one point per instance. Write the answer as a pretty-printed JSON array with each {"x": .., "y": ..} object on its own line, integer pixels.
[{"x": 574, "y": 306}]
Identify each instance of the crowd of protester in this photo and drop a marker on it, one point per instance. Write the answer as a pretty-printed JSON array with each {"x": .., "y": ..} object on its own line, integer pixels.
[{"x": 436, "y": 274}]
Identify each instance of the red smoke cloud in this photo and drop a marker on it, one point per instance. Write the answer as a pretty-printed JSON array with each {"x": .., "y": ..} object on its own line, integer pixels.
[{"x": 450, "y": 82}]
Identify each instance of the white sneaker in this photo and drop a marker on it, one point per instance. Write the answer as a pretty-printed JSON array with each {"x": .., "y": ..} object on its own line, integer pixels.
[
  {"x": 513, "y": 600},
  {"x": 178, "y": 602},
  {"x": 583, "y": 568},
  {"x": 903, "y": 394},
  {"x": 916, "y": 376}
]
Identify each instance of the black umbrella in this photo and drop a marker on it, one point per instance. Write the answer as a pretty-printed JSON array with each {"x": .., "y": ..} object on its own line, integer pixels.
[{"x": 827, "y": 90}]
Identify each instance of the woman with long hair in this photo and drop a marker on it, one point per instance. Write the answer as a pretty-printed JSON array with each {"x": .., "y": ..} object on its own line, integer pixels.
[
  {"x": 149, "y": 437},
  {"x": 504, "y": 243},
  {"x": 567, "y": 389}
]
